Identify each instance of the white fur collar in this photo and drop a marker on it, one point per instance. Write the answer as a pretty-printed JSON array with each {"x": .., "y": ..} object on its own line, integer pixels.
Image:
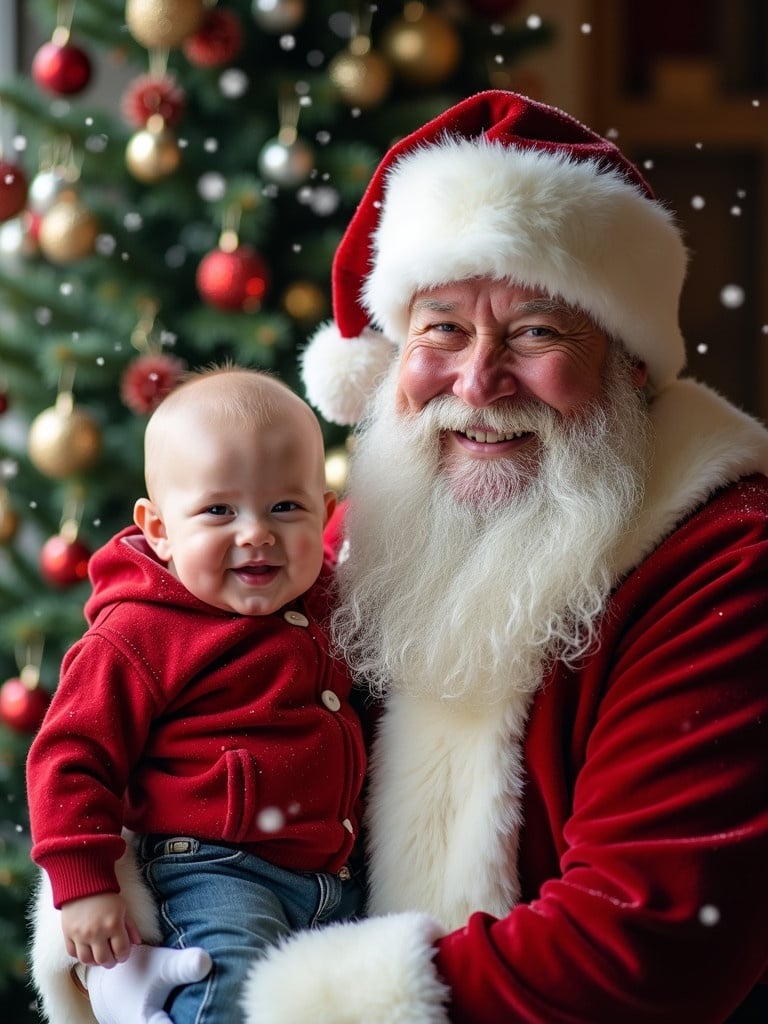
[{"x": 702, "y": 443}]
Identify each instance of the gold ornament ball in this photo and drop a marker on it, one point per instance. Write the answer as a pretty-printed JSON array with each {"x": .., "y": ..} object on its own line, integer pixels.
[
  {"x": 68, "y": 231},
  {"x": 305, "y": 301},
  {"x": 152, "y": 154},
  {"x": 362, "y": 80},
  {"x": 163, "y": 24},
  {"x": 423, "y": 52},
  {"x": 337, "y": 469},
  {"x": 63, "y": 442}
]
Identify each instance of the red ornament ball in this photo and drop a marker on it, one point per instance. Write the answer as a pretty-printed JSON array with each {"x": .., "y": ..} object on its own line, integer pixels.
[
  {"x": 153, "y": 94},
  {"x": 62, "y": 69},
  {"x": 147, "y": 380},
  {"x": 218, "y": 41},
  {"x": 22, "y": 707},
  {"x": 4, "y": 402},
  {"x": 13, "y": 190},
  {"x": 64, "y": 562},
  {"x": 236, "y": 280}
]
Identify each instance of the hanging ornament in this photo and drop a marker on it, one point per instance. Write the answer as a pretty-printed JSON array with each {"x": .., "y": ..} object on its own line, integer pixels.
[
  {"x": 23, "y": 702},
  {"x": 63, "y": 439},
  {"x": 287, "y": 160},
  {"x": 63, "y": 557},
  {"x": 63, "y": 562},
  {"x": 153, "y": 93},
  {"x": 47, "y": 187},
  {"x": 362, "y": 77},
  {"x": 233, "y": 279},
  {"x": 68, "y": 230},
  {"x": 13, "y": 189},
  {"x": 9, "y": 521},
  {"x": 4, "y": 399},
  {"x": 233, "y": 276},
  {"x": 305, "y": 301},
  {"x": 22, "y": 705},
  {"x": 153, "y": 153},
  {"x": 422, "y": 46},
  {"x": 163, "y": 24},
  {"x": 60, "y": 67},
  {"x": 278, "y": 15},
  {"x": 148, "y": 379},
  {"x": 218, "y": 40}
]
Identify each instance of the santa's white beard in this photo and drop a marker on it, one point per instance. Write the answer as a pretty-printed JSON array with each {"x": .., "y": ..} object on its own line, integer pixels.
[{"x": 465, "y": 576}]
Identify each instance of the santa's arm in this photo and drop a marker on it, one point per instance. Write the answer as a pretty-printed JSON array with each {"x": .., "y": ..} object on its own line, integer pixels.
[{"x": 655, "y": 914}]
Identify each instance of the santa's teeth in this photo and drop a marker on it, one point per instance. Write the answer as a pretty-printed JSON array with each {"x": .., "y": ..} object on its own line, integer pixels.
[{"x": 489, "y": 437}]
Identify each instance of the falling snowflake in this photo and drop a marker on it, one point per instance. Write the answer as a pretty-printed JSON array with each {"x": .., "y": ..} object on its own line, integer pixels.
[
  {"x": 270, "y": 819},
  {"x": 709, "y": 915},
  {"x": 732, "y": 296}
]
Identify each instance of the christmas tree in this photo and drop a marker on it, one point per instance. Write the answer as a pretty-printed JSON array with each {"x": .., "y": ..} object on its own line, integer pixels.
[{"x": 193, "y": 221}]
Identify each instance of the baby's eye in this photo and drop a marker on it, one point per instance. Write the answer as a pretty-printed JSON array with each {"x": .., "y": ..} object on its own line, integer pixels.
[
  {"x": 218, "y": 510},
  {"x": 286, "y": 506}
]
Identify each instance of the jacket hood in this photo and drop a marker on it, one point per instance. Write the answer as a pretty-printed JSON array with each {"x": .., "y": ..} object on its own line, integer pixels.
[{"x": 126, "y": 569}]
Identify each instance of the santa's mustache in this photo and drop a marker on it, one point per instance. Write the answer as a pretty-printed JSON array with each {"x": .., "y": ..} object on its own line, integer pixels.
[{"x": 448, "y": 413}]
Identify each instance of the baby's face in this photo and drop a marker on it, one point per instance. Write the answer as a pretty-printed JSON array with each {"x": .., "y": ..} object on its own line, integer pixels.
[{"x": 243, "y": 512}]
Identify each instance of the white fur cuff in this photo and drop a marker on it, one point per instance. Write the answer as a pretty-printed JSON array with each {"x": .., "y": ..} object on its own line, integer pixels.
[{"x": 378, "y": 971}]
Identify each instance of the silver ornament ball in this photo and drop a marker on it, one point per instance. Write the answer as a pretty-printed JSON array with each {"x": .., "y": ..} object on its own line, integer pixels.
[
  {"x": 286, "y": 164},
  {"x": 46, "y": 187},
  {"x": 278, "y": 15}
]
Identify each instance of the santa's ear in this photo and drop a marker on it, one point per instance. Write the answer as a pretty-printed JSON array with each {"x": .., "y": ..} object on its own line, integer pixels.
[
  {"x": 148, "y": 518},
  {"x": 639, "y": 373}
]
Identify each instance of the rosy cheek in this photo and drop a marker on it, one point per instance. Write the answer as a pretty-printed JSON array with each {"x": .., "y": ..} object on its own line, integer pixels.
[{"x": 424, "y": 373}]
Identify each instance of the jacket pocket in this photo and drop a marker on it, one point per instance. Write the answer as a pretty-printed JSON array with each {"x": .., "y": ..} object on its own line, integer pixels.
[{"x": 242, "y": 795}]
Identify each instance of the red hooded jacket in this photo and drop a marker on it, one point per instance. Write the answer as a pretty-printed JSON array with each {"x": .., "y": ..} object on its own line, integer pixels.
[{"x": 172, "y": 716}]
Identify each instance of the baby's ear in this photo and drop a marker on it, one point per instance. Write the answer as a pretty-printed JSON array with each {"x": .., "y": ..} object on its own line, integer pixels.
[
  {"x": 330, "y": 505},
  {"x": 149, "y": 520}
]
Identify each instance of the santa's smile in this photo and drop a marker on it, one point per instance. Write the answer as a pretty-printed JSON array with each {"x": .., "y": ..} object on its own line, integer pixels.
[{"x": 483, "y": 441}]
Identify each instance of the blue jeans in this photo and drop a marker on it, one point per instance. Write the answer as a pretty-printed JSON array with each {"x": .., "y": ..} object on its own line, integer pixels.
[{"x": 234, "y": 905}]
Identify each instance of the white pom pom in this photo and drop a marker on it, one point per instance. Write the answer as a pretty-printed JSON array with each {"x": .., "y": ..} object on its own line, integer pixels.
[{"x": 340, "y": 374}]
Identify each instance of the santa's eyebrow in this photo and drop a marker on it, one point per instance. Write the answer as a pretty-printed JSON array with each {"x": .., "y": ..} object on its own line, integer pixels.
[
  {"x": 545, "y": 305},
  {"x": 433, "y": 305}
]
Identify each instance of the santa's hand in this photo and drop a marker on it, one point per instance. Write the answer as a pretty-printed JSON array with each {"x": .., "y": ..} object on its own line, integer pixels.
[{"x": 135, "y": 992}]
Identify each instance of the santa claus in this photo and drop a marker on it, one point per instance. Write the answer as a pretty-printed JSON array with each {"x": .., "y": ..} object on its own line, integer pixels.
[{"x": 553, "y": 580}]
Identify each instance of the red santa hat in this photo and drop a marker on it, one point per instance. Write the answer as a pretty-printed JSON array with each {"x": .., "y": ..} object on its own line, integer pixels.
[{"x": 503, "y": 187}]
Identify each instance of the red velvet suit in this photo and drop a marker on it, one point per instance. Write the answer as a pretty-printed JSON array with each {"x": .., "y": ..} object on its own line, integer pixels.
[{"x": 646, "y": 801}]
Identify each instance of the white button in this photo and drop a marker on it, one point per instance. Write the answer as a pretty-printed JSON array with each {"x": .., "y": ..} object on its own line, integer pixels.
[
  {"x": 296, "y": 618},
  {"x": 348, "y": 825},
  {"x": 331, "y": 701}
]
